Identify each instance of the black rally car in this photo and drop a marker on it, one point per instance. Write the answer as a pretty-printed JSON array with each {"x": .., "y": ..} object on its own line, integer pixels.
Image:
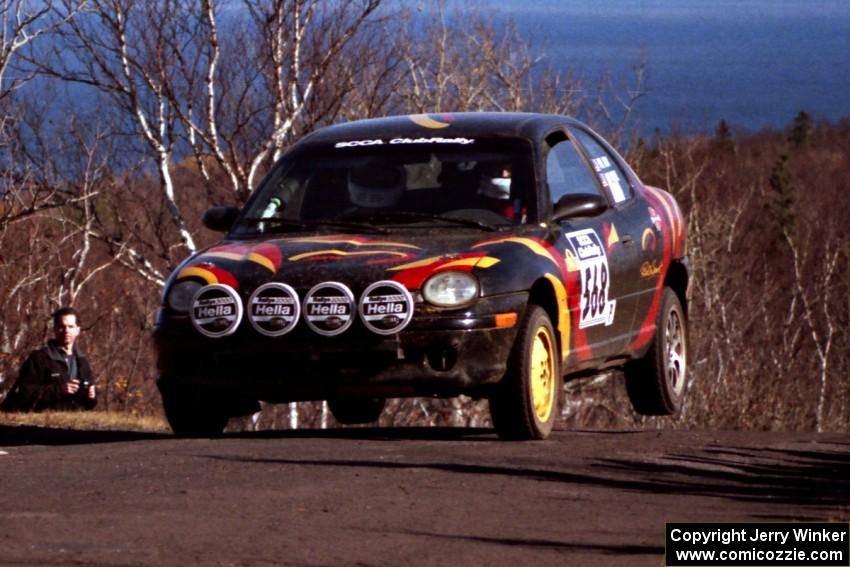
[{"x": 487, "y": 254}]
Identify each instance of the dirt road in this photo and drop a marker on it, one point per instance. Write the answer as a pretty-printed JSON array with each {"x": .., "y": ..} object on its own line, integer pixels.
[{"x": 398, "y": 497}]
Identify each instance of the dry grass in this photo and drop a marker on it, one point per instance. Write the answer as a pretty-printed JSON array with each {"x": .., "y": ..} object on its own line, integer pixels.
[{"x": 87, "y": 421}]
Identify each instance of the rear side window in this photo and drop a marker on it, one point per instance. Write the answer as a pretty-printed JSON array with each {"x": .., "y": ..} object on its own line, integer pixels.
[
  {"x": 606, "y": 168},
  {"x": 566, "y": 171}
]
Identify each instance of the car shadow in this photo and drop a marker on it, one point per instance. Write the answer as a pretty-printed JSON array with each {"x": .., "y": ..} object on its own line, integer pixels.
[
  {"x": 793, "y": 477},
  {"x": 809, "y": 481},
  {"x": 547, "y": 544},
  {"x": 408, "y": 433},
  {"x": 806, "y": 484},
  {"x": 19, "y": 435}
]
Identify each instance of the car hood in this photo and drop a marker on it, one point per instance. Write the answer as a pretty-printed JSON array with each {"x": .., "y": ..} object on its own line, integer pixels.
[{"x": 355, "y": 260}]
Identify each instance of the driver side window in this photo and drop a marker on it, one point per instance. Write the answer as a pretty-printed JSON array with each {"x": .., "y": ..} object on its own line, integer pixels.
[{"x": 566, "y": 172}]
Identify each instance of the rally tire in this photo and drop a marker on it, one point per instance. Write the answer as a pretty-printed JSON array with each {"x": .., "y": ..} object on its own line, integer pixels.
[
  {"x": 193, "y": 415},
  {"x": 524, "y": 405},
  {"x": 352, "y": 411},
  {"x": 656, "y": 382}
]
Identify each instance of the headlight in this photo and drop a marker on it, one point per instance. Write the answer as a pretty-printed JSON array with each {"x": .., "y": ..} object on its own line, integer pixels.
[
  {"x": 180, "y": 295},
  {"x": 450, "y": 289}
]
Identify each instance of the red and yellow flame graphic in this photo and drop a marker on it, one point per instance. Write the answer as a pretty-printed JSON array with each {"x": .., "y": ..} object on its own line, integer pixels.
[
  {"x": 333, "y": 254},
  {"x": 266, "y": 254},
  {"x": 648, "y": 242},
  {"x": 414, "y": 274},
  {"x": 382, "y": 256},
  {"x": 353, "y": 241},
  {"x": 672, "y": 235},
  {"x": 209, "y": 274},
  {"x": 672, "y": 217},
  {"x": 536, "y": 245},
  {"x": 611, "y": 235}
]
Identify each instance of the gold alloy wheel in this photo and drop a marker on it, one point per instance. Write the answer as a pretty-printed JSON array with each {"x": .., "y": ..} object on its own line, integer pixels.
[{"x": 542, "y": 375}]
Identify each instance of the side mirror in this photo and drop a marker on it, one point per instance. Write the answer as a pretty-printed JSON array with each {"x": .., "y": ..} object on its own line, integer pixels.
[
  {"x": 220, "y": 219},
  {"x": 579, "y": 205}
]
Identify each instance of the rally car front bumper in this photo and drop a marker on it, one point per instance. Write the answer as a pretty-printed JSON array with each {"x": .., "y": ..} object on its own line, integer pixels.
[{"x": 441, "y": 353}]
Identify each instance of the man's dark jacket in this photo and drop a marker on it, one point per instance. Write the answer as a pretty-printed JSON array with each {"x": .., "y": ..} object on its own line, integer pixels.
[{"x": 41, "y": 382}]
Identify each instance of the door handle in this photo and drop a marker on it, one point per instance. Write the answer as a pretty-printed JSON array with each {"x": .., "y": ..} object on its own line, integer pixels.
[{"x": 627, "y": 239}]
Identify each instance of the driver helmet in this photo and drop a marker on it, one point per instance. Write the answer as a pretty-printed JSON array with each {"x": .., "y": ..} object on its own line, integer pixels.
[
  {"x": 495, "y": 181},
  {"x": 375, "y": 186}
]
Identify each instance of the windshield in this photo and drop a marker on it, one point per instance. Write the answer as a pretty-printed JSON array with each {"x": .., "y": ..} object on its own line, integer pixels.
[{"x": 377, "y": 184}]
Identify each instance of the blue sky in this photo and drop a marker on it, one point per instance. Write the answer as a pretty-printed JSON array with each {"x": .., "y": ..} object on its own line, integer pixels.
[{"x": 755, "y": 63}]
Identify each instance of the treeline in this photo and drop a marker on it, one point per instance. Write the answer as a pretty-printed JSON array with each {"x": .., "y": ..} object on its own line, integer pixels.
[{"x": 122, "y": 121}]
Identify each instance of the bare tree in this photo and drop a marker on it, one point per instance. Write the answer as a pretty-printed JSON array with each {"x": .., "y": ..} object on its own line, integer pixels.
[
  {"x": 449, "y": 59},
  {"x": 814, "y": 292},
  {"x": 22, "y": 23},
  {"x": 22, "y": 193},
  {"x": 120, "y": 48},
  {"x": 241, "y": 102}
]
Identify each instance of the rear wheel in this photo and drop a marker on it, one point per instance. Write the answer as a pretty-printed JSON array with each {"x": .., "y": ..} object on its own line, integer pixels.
[
  {"x": 351, "y": 411},
  {"x": 656, "y": 382},
  {"x": 191, "y": 414},
  {"x": 525, "y": 403}
]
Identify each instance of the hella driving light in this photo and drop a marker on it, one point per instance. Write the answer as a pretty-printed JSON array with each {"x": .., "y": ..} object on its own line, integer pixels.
[
  {"x": 450, "y": 289},
  {"x": 329, "y": 308},
  {"x": 180, "y": 295},
  {"x": 386, "y": 307},
  {"x": 216, "y": 310},
  {"x": 273, "y": 309}
]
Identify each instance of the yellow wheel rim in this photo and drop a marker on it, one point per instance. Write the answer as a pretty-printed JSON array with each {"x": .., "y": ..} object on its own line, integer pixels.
[{"x": 542, "y": 375}]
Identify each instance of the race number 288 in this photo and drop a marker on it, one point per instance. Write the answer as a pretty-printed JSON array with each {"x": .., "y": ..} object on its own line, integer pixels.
[
  {"x": 595, "y": 293},
  {"x": 595, "y": 307}
]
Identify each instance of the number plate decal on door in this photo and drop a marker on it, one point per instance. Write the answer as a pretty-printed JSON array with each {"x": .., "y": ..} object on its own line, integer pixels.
[{"x": 596, "y": 307}]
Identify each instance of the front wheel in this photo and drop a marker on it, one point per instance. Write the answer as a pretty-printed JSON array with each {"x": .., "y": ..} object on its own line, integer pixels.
[
  {"x": 656, "y": 382},
  {"x": 352, "y": 411},
  {"x": 524, "y": 405},
  {"x": 193, "y": 415}
]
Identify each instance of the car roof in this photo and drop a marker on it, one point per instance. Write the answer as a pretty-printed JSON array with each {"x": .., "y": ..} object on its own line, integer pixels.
[{"x": 517, "y": 124}]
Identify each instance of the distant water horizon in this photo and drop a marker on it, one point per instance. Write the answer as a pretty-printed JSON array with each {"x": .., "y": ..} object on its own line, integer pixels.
[{"x": 753, "y": 63}]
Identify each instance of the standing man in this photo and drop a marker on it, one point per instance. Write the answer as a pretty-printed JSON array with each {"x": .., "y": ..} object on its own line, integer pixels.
[{"x": 56, "y": 376}]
